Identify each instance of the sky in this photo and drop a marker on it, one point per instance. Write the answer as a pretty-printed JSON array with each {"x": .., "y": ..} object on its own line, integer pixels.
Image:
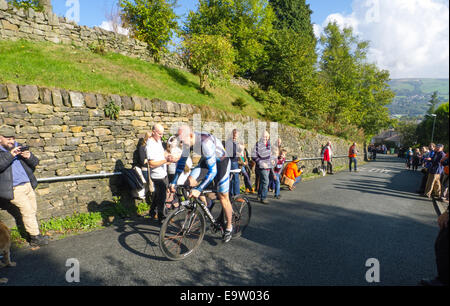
[{"x": 410, "y": 38}]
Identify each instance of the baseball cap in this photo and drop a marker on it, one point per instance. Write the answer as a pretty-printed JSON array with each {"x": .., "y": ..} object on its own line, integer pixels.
[
  {"x": 440, "y": 145},
  {"x": 7, "y": 131}
]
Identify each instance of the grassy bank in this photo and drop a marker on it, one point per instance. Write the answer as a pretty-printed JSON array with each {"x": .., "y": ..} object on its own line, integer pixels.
[{"x": 69, "y": 67}]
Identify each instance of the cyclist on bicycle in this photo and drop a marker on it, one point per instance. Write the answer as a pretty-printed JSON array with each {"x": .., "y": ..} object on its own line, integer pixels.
[{"x": 213, "y": 167}]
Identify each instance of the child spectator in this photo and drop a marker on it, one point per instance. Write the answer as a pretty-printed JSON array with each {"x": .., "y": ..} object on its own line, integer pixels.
[{"x": 277, "y": 172}]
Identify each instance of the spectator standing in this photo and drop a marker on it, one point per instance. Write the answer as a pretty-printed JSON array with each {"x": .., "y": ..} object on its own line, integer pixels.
[
  {"x": 140, "y": 164},
  {"x": 416, "y": 159},
  {"x": 233, "y": 150},
  {"x": 322, "y": 152},
  {"x": 434, "y": 173},
  {"x": 428, "y": 153},
  {"x": 373, "y": 151},
  {"x": 444, "y": 195},
  {"x": 245, "y": 169},
  {"x": 174, "y": 149},
  {"x": 278, "y": 171},
  {"x": 157, "y": 158},
  {"x": 328, "y": 157},
  {"x": 262, "y": 155},
  {"x": 276, "y": 152},
  {"x": 409, "y": 158},
  {"x": 17, "y": 182},
  {"x": 352, "y": 154}
]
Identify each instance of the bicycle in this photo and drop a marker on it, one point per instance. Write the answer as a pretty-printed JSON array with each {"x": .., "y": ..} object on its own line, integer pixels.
[{"x": 183, "y": 230}]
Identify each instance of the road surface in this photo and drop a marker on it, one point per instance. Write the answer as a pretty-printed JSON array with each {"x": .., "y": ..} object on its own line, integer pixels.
[{"x": 321, "y": 234}]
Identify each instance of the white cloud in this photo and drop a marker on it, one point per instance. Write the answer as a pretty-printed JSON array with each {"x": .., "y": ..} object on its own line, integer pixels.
[
  {"x": 108, "y": 26},
  {"x": 410, "y": 38}
]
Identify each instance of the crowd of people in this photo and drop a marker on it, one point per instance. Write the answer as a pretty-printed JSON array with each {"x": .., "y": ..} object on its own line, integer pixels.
[
  {"x": 267, "y": 165},
  {"x": 162, "y": 159},
  {"x": 433, "y": 163}
]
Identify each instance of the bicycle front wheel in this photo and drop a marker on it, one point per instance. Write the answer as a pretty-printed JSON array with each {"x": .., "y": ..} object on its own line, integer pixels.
[
  {"x": 242, "y": 212},
  {"x": 181, "y": 233}
]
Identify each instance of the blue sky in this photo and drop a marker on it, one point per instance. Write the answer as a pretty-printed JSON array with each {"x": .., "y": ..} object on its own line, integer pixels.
[
  {"x": 410, "y": 38},
  {"x": 92, "y": 13}
]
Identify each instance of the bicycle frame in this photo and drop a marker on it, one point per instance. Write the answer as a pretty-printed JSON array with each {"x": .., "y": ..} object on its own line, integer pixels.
[{"x": 217, "y": 226}]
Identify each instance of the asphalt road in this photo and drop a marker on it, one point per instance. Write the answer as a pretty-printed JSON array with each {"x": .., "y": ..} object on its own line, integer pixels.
[{"x": 320, "y": 234}]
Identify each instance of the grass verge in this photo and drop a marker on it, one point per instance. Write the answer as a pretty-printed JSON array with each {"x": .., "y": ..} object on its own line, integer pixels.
[
  {"x": 59, "y": 228},
  {"x": 79, "y": 69}
]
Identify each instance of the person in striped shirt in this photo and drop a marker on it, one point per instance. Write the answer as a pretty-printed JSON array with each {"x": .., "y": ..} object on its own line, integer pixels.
[{"x": 262, "y": 155}]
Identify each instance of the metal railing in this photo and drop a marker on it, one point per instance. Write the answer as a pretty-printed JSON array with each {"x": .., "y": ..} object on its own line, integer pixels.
[
  {"x": 77, "y": 177},
  {"x": 106, "y": 175}
]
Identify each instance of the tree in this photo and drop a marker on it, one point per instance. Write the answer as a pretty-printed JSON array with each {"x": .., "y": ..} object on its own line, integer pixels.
[
  {"x": 37, "y": 5},
  {"x": 375, "y": 94},
  {"x": 247, "y": 24},
  {"x": 152, "y": 21},
  {"x": 425, "y": 128},
  {"x": 292, "y": 57},
  {"x": 434, "y": 101},
  {"x": 361, "y": 91},
  {"x": 342, "y": 53},
  {"x": 210, "y": 57},
  {"x": 407, "y": 131},
  {"x": 294, "y": 15}
]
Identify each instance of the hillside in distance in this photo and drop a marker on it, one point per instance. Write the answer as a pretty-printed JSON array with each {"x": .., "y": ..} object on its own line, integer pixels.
[{"x": 413, "y": 95}]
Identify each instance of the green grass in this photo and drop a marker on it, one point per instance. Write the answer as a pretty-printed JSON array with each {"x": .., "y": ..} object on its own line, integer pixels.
[
  {"x": 432, "y": 85},
  {"x": 69, "y": 67},
  {"x": 60, "y": 228}
]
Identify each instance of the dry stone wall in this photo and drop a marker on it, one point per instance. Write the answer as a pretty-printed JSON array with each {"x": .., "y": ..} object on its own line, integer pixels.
[
  {"x": 70, "y": 134},
  {"x": 30, "y": 25}
]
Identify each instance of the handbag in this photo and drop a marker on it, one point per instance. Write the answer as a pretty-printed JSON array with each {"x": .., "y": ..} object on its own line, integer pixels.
[{"x": 287, "y": 181}]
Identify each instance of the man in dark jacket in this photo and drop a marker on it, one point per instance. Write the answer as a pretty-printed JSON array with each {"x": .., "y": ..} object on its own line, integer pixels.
[{"x": 17, "y": 182}]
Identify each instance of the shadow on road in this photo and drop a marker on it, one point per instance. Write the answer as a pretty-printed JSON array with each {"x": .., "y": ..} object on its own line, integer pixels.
[{"x": 306, "y": 238}]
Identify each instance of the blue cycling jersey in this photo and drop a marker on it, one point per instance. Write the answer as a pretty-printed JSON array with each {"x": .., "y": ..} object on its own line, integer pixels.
[{"x": 210, "y": 149}]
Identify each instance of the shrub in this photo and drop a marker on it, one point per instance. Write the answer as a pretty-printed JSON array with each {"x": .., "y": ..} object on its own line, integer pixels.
[{"x": 240, "y": 103}]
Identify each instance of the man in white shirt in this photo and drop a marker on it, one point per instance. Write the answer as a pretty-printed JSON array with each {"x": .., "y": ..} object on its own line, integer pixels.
[{"x": 157, "y": 158}]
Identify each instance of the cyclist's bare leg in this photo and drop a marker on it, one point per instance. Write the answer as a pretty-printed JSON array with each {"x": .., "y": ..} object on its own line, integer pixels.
[{"x": 227, "y": 208}]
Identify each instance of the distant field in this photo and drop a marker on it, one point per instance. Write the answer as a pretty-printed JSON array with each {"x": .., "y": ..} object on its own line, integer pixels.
[
  {"x": 440, "y": 85},
  {"x": 425, "y": 86},
  {"x": 69, "y": 67},
  {"x": 413, "y": 95}
]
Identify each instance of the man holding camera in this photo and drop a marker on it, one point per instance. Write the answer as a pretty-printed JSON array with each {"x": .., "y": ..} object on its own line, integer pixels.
[{"x": 17, "y": 182}]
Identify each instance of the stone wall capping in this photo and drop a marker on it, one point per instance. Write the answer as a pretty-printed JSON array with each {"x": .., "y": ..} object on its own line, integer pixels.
[
  {"x": 3, "y": 91},
  {"x": 28, "y": 93}
]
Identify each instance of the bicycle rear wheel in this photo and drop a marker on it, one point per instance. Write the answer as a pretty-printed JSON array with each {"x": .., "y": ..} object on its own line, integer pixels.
[
  {"x": 242, "y": 212},
  {"x": 181, "y": 233}
]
